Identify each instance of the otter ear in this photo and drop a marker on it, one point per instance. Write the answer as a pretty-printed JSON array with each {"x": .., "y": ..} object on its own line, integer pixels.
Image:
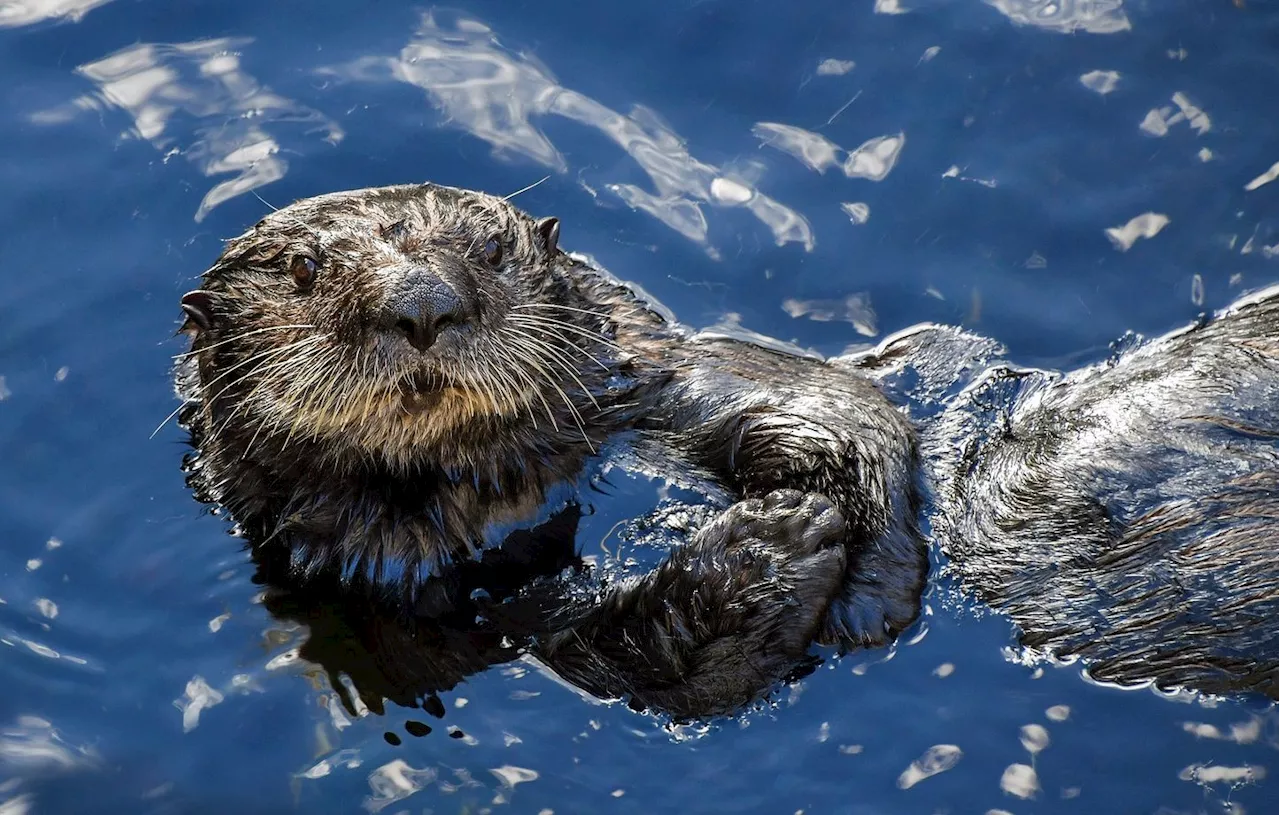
[
  {"x": 549, "y": 229},
  {"x": 198, "y": 306}
]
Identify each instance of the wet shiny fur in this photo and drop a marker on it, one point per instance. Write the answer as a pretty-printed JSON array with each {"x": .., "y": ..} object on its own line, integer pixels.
[{"x": 1126, "y": 514}]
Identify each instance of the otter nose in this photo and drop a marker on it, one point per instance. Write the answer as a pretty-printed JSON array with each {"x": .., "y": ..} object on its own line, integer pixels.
[{"x": 421, "y": 306}]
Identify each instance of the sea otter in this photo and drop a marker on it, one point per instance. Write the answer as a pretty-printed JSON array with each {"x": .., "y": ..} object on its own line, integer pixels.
[
  {"x": 401, "y": 388},
  {"x": 387, "y": 382}
]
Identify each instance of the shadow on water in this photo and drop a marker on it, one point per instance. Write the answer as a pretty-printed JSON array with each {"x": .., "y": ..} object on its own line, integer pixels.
[{"x": 476, "y": 615}]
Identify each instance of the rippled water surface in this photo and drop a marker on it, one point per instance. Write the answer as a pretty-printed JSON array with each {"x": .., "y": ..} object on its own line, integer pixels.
[{"x": 1051, "y": 174}]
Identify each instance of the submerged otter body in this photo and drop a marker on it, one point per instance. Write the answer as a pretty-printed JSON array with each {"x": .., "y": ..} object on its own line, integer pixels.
[
  {"x": 386, "y": 382},
  {"x": 1126, "y": 514}
]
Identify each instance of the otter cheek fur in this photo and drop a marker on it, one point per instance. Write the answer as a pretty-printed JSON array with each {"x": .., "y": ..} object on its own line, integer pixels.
[{"x": 383, "y": 380}]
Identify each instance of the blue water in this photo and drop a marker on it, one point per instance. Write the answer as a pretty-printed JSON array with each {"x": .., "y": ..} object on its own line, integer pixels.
[{"x": 699, "y": 149}]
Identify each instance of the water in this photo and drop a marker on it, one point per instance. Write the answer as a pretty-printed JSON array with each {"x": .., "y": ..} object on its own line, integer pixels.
[{"x": 142, "y": 672}]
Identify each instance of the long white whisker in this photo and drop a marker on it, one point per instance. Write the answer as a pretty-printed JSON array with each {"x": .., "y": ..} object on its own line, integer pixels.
[
  {"x": 555, "y": 386},
  {"x": 604, "y": 315},
  {"x": 254, "y": 358},
  {"x": 530, "y": 319},
  {"x": 258, "y": 357},
  {"x": 563, "y": 361},
  {"x": 525, "y": 189},
  {"x": 547, "y": 331},
  {"x": 558, "y": 306},
  {"x": 195, "y": 351},
  {"x": 505, "y": 384},
  {"x": 299, "y": 361},
  {"x": 323, "y": 370},
  {"x": 531, "y": 384}
]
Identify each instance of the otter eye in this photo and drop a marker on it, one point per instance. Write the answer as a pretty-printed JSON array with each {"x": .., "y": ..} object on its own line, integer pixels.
[
  {"x": 493, "y": 251},
  {"x": 304, "y": 268}
]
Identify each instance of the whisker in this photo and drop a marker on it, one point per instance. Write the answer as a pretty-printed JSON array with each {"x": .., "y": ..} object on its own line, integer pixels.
[
  {"x": 525, "y": 370},
  {"x": 259, "y": 357},
  {"x": 256, "y": 357},
  {"x": 504, "y": 384},
  {"x": 308, "y": 369},
  {"x": 530, "y": 319},
  {"x": 262, "y": 425},
  {"x": 577, "y": 417},
  {"x": 612, "y": 314},
  {"x": 531, "y": 384},
  {"x": 299, "y": 361},
  {"x": 573, "y": 410},
  {"x": 254, "y": 193},
  {"x": 544, "y": 330},
  {"x": 558, "y": 357},
  {"x": 535, "y": 362},
  {"x": 195, "y": 351},
  {"x": 325, "y": 370},
  {"x": 369, "y": 392},
  {"x": 559, "y": 307},
  {"x": 175, "y": 412},
  {"x": 525, "y": 189}
]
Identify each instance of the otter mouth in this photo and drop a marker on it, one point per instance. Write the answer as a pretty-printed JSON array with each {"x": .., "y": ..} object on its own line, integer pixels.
[{"x": 421, "y": 391}]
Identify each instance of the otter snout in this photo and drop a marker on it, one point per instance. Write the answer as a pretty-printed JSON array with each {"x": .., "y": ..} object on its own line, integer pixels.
[{"x": 421, "y": 305}]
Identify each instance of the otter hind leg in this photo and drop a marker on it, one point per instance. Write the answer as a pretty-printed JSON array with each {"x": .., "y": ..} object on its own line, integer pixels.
[{"x": 723, "y": 619}]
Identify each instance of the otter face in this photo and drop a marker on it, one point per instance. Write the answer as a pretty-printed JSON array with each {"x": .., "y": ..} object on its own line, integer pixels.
[{"x": 388, "y": 320}]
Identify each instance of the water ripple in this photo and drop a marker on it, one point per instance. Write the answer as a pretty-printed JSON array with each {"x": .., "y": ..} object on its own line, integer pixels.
[
  {"x": 496, "y": 95},
  {"x": 162, "y": 85},
  {"x": 1066, "y": 16}
]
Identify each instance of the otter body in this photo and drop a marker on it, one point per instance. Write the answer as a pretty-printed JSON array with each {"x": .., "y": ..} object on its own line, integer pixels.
[
  {"x": 1126, "y": 514},
  {"x": 394, "y": 384},
  {"x": 387, "y": 381}
]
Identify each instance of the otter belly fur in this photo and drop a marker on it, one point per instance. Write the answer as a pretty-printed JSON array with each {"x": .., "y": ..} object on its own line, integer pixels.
[
  {"x": 1126, "y": 514},
  {"x": 390, "y": 384}
]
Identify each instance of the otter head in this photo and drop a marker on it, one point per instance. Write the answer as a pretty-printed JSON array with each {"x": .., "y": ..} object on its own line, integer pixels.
[{"x": 389, "y": 323}]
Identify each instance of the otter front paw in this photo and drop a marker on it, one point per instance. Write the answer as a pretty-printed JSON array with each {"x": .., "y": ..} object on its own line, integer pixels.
[
  {"x": 788, "y": 521},
  {"x": 774, "y": 564},
  {"x": 719, "y": 622}
]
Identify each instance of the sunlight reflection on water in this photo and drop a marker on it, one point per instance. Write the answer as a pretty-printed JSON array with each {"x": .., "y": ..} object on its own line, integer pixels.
[
  {"x": 496, "y": 95},
  {"x": 236, "y": 119}
]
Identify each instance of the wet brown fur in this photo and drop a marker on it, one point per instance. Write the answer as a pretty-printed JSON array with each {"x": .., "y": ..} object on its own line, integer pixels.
[{"x": 332, "y": 440}]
